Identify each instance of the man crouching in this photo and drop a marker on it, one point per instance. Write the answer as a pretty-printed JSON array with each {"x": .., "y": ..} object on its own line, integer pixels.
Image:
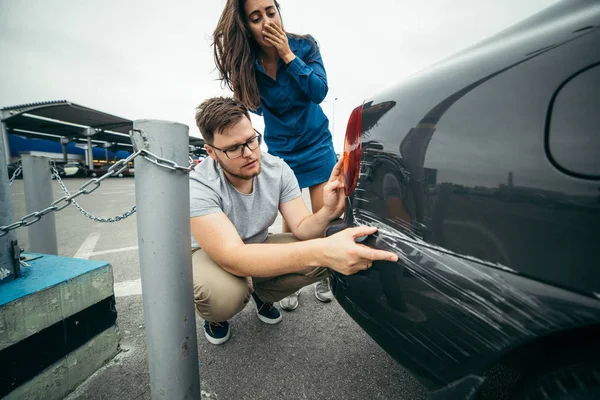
[{"x": 234, "y": 198}]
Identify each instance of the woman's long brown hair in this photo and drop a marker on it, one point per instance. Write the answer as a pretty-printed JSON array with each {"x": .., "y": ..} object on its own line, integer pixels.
[{"x": 235, "y": 52}]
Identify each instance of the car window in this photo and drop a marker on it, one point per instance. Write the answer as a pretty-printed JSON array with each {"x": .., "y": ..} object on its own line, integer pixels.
[{"x": 573, "y": 130}]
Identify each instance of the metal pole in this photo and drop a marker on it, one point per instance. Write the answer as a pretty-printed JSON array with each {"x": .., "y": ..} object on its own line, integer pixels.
[
  {"x": 38, "y": 195},
  {"x": 8, "y": 264},
  {"x": 163, "y": 222},
  {"x": 90, "y": 153},
  {"x": 6, "y": 143},
  {"x": 64, "y": 142}
]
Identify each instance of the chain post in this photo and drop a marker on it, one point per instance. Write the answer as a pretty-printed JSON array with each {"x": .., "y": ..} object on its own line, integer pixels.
[
  {"x": 38, "y": 195},
  {"x": 165, "y": 258},
  {"x": 9, "y": 267}
]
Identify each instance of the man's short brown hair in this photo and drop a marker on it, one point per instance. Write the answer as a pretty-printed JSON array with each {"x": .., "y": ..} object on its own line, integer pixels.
[{"x": 217, "y": 113}]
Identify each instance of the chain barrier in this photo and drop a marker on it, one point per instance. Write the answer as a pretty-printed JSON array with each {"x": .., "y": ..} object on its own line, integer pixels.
[
  {"x": 69, "y": 198},
  {"x": 15, "y": 174},
  {"x": 163, "y": 162},
  {"x": 84, "y": 212}
]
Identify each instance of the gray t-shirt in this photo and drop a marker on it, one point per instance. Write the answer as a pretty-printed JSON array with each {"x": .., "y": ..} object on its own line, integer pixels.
[{"x": 251, "y": 214}]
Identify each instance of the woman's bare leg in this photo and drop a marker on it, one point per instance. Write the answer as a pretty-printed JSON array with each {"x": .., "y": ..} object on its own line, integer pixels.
[
  {"x": 290, "y": 303},
  {"x": 322, "y": 290},
  {"x": 316, "y": 196}
]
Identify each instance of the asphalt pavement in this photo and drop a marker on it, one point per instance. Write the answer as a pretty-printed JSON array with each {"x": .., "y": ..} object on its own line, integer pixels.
[{"x": 316, "y": 352}]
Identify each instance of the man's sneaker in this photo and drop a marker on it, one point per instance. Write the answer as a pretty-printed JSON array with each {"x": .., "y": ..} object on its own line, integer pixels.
[
  {"x": 322, "y": 291},
  {"x": 290, "y": 303},
  {"x": 216, "y": 332},
  {"x": 266, "y": 312}
]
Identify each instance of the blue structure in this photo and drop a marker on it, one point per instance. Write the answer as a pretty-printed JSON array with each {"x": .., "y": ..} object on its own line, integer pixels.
[
  {"x": 59, "y": 326},
  {"x": 19, "y": 144}
]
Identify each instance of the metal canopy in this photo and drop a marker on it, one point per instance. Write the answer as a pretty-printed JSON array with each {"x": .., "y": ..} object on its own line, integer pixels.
[
  {"x": 64, "y": 119},
  {"x": 71, "y": 113},
  {"x": 25, "y": 123}
]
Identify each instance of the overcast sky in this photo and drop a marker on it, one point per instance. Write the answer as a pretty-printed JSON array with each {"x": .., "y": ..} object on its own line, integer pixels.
[{"x": 149, "y": 59}]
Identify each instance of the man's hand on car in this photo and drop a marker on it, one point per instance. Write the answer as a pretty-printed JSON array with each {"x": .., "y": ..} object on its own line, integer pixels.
[{"x": 347, "y": 257}]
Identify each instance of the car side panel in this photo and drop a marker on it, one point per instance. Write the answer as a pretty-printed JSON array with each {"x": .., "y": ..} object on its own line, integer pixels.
[
  {"x": 497, "y": 247},
  {"x": 445, "y": 317},
  {"x": 471, "y": 174}
]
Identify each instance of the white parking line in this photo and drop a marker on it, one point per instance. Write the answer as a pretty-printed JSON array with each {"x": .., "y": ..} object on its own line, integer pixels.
[
  {"x": 101, "y": 252},
  {"x": 128, "y": 288},
  {"x": 86, "y": 249},
  {"x": 126, "y": 193}
]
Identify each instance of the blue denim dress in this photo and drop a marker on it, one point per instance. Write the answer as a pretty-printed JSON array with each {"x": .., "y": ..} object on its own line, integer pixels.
[{"x": 296, "y": 128}]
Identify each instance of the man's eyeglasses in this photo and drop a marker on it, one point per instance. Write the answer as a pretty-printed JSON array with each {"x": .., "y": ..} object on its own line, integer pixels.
[{"x": 238, "y": 150}]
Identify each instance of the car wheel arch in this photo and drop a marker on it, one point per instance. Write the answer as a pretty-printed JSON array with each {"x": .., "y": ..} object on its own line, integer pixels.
[{"x": 526, "y": 359}]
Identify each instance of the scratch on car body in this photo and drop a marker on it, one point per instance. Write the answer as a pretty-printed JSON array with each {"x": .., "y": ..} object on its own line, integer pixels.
[{"x": 480, "y": 301}]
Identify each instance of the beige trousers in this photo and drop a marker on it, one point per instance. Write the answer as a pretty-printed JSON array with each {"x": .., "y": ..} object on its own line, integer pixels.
[{"x": 219, "y": 295}]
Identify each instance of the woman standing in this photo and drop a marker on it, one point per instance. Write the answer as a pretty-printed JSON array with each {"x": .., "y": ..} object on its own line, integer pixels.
[{"x": 280, "y": 76}]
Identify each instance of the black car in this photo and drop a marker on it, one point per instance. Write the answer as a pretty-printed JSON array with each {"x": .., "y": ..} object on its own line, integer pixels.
[{"x": 483, "y": 175}]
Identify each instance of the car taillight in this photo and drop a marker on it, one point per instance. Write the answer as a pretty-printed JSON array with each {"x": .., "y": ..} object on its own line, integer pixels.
[{"x": 352, "y": 150}]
